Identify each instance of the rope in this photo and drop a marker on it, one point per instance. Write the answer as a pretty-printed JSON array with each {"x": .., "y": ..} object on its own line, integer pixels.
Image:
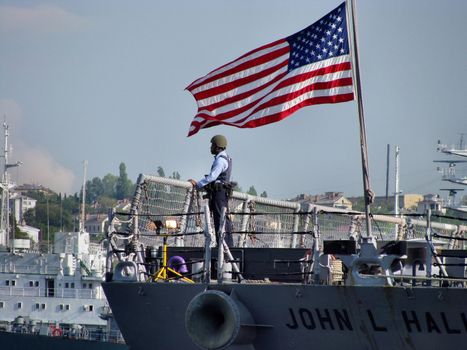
[
  {"x": 437, "y": 235},
  {"x": 160, "y": 235},
  {"x": 250, "y": 214}
]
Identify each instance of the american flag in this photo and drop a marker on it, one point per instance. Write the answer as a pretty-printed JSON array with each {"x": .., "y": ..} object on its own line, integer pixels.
[{"x": 270, "y": 83}]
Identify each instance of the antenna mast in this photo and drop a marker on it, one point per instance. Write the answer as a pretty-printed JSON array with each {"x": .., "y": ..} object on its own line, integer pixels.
[
  {"x": 6, "y": 186},
  {"x": 83, "y": 199}
]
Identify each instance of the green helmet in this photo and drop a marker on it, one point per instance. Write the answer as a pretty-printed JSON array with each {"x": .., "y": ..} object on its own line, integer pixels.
[{"x": 219, "y": 141}]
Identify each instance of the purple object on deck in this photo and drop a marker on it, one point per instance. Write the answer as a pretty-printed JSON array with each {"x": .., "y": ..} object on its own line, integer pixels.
[{"x": 178, "y": 264}]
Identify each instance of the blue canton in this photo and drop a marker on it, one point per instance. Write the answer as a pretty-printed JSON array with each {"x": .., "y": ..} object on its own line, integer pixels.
[{"x": 324, "y": 39}]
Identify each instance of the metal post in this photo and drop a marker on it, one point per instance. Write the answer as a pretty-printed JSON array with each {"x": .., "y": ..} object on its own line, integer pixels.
[
  {"x": 396, "y": 190},
  {"x": 388, "y": 151},
  {"x": 179, "y": 240},
  {"x": 207, "y": 245},
  {"x": 220, "y": 248},
  {"x": 316, "y": 236},
  {"x": 295, "y": 227},
  {"x": 429, "y": 253},
  {"x": 306, "y": 223},
  {"x": 245, "y": 219},
  {"x": 368, "y": 194}
]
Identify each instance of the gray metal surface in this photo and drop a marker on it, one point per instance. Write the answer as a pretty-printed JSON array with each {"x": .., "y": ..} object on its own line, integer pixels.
[
  {"x": 18, "y": 341},
  {"x": 294, "y": 316}
]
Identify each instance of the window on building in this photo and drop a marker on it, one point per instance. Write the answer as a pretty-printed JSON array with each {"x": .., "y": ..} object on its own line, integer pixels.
[
  {"x": 67, "y": 307},
  {"x": 90, "y": 285},
  {"x": 13, "y": 283},
  {"x": 2, "y": 304},
  {"x": 91, "y": 307},
  {"x": 67, "y": 285},
  {"x": 19, "y": 305},
  {"x": 36, "y": 283},
  {"x": 72, "y": 284}
]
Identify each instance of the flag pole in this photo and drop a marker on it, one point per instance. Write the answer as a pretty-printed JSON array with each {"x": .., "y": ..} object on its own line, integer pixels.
[{"x": 368, "y": 193}]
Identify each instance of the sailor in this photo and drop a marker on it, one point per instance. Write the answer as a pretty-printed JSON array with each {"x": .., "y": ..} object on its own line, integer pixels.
[{"x": 218, "y": 186}]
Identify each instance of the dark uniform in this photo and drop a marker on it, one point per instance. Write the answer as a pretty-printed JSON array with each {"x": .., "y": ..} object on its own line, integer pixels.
[
  {"x": 218, "y": 193},
  {"x": 218, "y": 186}
]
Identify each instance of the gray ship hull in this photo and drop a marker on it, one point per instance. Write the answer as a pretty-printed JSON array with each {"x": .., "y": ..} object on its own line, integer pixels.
[
  {"x": 19, "y": 341},
  {"x": 295, "y": 316}
]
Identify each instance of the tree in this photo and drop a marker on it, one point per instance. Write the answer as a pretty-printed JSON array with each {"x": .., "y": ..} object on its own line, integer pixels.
[
  {"x": 160, "y": 171},
  {"x": 252, "y": 191},
  {"x": 264, "y": 194},
  {"x": 109, "y": 183},
  {"x": 94, "y": 189},
  {"x": 123, "y": 186},
  {"x": 175, "y": 175}
]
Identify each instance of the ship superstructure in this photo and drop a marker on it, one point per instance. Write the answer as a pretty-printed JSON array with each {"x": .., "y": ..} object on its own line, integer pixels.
[
  {"x": 297, "y": 276},
  {"x": 55, "y": 293}
]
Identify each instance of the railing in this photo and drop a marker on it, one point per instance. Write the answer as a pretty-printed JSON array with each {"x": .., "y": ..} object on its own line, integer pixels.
[
  {"x": 113, "y": 336},
  {"x": 262, "y": 222},
  {"x": 29, "y": 269},
  {"x": 75, "y": 293}
]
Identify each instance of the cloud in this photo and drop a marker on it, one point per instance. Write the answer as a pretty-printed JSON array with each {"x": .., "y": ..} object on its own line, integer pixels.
[
  {"x": 38, "y": 166},
  {"x": 39, "y": 19}
]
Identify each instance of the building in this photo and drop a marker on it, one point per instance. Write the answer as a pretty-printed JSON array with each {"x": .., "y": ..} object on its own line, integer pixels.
[
  {"x": 407, "y": 202},
  {"x": 433, "y": 202},
  {"x": 96, "y": 223},
  {"x": 32, "y": 232},
  {"x": 19, "y": 204},
  {"x": 328, "y": 199}
]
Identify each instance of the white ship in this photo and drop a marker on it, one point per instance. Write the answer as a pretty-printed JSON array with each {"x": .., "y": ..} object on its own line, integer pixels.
[{"x": 53, "y": 299}]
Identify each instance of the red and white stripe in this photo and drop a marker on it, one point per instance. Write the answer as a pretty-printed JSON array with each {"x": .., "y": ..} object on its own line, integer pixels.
[{"x": 256, "y": 89}]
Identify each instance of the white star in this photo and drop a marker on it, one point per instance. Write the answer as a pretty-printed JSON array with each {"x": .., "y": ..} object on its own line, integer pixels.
[
  {"x": 339, "y": 19},
  {"x": 342, "y": 51},
  {"x": 339, "y": 30},
  {"x": 325, "y": 50},
  {"x": 319, "y": 57},
  {"x": 330, "y": 54},
  {"x": 312, "y": 52},
  {"x": 317, "y": 46},
  {"x": 334, "y": 36},
  {"x": 341, "y": 40},
  {"x": 329, "y": 43},
  {"x": 328, "y": 32},
  {"x": 323, "y": 40},
  {"x": 336, "y": 47},
  {"x": 333, "y": 26}
]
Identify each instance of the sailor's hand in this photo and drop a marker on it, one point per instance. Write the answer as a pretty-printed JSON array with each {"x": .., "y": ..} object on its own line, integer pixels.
[{"x": 193, "y": 182}]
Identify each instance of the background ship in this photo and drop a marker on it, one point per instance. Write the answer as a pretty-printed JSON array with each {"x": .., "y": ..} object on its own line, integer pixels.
[
  {"x": 455, "y": 172},
  {"x": 52, "y": 299}
]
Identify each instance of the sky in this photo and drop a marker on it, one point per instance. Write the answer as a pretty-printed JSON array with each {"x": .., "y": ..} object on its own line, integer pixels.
[{"x": 104, "y": 81}]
